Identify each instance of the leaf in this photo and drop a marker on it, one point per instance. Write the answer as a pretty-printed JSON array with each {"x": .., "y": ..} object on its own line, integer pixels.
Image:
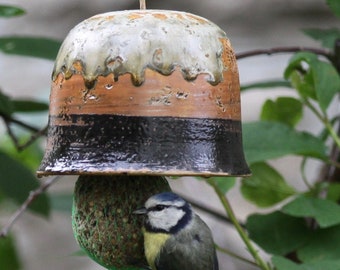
[
  {"x": 283, "y": 264},
  {"x": 286, "y": 110},
  {"x": 333, "y": 193},
  {"x": 326, "y": 213},
  {"x": 6, "y": 106},
  {"x": 327, "y": 37},
  {"x": 268, "y": 140},
  {"x": 277, "y": 233},
  {"x": 266, "y": 84},
  {"x": 298, "y": 58},
  {"x": 30, "y": 157},
  {"x": 17, "y": 181},
  {"x": 323, "y": 244},
  {"x": 62, "y": 202},
  {"x": 30, "y": 46},
  {"x": 224, "y": 183},
  {"x": 10, "y": 11},
  {"x": 300, "y": 77},
  {"x": 319, "y": 80},
  {"x": 29, "y": 106},
  {"x": 327, "y": 83},
  {"x": 8, "y": 254},
  {"x": 265, "y": 187},
  {"x": 303, "y": 82},
  {"x": 334, "y": 6}
]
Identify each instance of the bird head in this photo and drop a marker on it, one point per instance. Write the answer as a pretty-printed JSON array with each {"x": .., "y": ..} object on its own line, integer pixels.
[{"x": 166, "y": 212}]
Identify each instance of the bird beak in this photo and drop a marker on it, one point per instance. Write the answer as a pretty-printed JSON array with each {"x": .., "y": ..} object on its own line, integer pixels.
[{"x": 140, "y": 211}]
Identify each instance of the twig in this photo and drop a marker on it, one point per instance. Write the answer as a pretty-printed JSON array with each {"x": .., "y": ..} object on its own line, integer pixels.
[
  {"x": 284, "y": 50},
  {"x": 31, "y": 197},
  {"x": 210, "y": 211},
  {"x": 258, "y": 260},
  {"x": 10, "y": 119},
  {"x": 37, "y": 133},
  {"x": 234, "y": 255},
  {"x": 33, "y": 138}
]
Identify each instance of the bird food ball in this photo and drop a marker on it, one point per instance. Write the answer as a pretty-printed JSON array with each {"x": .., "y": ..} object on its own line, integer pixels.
[{"x": 103, "y": 221}]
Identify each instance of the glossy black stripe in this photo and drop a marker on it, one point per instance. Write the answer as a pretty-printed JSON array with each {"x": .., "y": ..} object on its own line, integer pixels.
[{"x": 114, "y": 142}]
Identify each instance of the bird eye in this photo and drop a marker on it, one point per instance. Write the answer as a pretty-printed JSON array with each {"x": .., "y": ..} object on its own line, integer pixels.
[{"x": 159, "y": 207}]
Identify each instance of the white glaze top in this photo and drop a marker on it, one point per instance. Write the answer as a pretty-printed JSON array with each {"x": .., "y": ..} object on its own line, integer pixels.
[{"x": 130, "y": 41}]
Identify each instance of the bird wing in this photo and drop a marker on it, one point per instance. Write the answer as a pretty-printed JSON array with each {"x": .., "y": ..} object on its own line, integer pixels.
[{"x": 191, "y": 248}]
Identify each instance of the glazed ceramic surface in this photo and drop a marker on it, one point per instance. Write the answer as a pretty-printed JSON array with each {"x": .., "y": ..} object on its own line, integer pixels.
[{"x": 145, "y": 92}]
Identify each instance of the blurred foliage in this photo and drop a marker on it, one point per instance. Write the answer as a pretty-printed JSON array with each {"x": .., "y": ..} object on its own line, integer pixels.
[
  {"x": 303, "y": 232},
  {"x": 8, "y": 254}
]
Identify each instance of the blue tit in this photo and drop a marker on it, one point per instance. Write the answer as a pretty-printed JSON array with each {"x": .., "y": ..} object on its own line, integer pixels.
[{"x": 175, "y": 237}]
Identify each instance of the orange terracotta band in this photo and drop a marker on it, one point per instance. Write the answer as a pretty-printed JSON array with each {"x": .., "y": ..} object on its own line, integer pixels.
[{"x": 159, "y": 95}]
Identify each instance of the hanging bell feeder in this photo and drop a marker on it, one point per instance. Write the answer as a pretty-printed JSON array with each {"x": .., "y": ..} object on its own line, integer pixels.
[
  {"x": 137, "y": 95},
  {"x": 145, "y": 92}
]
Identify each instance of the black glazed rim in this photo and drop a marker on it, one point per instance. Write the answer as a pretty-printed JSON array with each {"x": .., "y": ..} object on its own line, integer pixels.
[{"x": 114, "y": 144}]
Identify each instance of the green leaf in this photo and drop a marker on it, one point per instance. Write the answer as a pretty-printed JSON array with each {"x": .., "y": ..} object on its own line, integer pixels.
[
  {"x": 319, "y": 80},
  {"x": 334, "y": 6},
  {"x": 30, "y": 157},
  {"x": 286, "y": 110},
  {"x": 284, "y": 264},
  {"x": 333, "y": 193},
  {"x": 268, "y": 140},
  {"x": 277, "y": 233},
  {"x": 224, "y": 183},
  {"x": 300, "y": 77},
  {"x": 62, "y": 202},
  {"x": 6, "y": 106},
  {"x": 21, "y": 106},
  {"x": 30, "y": 46},
  {"x": 8, "y": 254},
  {"x": 326, "y": 213},
  {"x": 266, "y": 84},
  {"x": 327, "y": 83},
  {"x": 265, "y": 187},
  {"x": 17, "y": 181},
  {"x": 323, "y": 244},
  {"x": 303, "y": 82},
  {"x": 327, "y": 37},
  {"x": 10, "y": 11}
]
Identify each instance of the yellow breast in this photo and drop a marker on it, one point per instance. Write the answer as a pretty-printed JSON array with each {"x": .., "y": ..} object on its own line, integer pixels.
[{"x": 153, "y": 243}]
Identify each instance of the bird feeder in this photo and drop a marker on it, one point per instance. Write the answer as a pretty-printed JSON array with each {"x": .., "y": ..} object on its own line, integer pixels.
[{"x": 142, "y": 94}]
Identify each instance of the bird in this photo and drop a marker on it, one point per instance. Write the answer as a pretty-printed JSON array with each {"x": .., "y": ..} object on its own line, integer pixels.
[{"x": 175, "y": 237}]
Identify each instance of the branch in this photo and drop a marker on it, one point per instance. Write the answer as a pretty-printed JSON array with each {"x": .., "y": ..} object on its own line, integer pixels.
[
  {"x": 210, "y": 211},
  {"x": 33, "y": 138},
  {"x": 9, "y": 119},
  {"x": 234, "y": 255},
  {"x": 31, "y": 197},
  {"x": 37, "y": 132},
  {"x": 277, "y": 50}
]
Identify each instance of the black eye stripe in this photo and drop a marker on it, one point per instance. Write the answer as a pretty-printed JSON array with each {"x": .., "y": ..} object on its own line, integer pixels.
[{"x": 160, "y": 207}]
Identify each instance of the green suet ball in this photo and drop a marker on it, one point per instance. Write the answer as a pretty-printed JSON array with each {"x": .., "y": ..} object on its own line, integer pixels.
[{"x": 102, "y": 219}]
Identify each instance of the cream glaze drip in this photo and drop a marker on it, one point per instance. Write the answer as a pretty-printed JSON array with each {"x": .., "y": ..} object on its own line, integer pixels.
[{"x": 131, "y": 41}]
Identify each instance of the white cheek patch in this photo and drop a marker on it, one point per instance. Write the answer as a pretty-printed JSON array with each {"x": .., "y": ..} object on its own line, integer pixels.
[{"x": 165, "y": 219}]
